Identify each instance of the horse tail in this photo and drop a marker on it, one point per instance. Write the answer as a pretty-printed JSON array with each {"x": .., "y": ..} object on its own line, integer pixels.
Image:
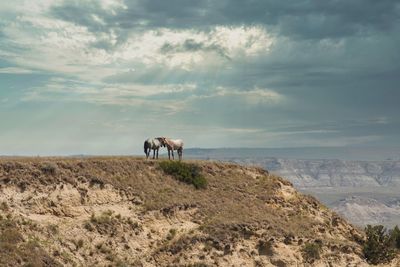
[{"x": 145, "y": 147}]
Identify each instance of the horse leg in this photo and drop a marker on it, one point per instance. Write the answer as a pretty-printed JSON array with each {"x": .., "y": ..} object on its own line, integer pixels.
[
  {"x": 147, "y": 153},
  {"x": 157, "y": 153},
  {"x": 180, "y": 154},
  {"x": 173, "y": 154},
  {"x": 169, "y": 155}
]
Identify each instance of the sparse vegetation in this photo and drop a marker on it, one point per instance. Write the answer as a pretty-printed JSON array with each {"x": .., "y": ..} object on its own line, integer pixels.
[
  {"x": 96, "y": 181},
  {"x": 105, "y": 223},
  {"x": 49, "y": 168},
  {"x": 171, "y": 234},
  {"x": 53, "y": 228},
  {"x": 198, "y": 264},
  {"x": 66, "y": 256},
  {"x": 15, "y": 250},
  {"x": 395, "y": 235},
  {"x": 110, "y": 257},
  {"x": 184, "y": 172},
  {"x": 379, "y": 246},
  {"x": 264, "y": 248},
  {"x": 4, "y": 206},
  {"x": 88, "y": 226},
  {"x": 121, "y": 263},
  {"x": 104, "y": 218},
  {"x": 78, "y": 243},
  {"x": 241, "y": 204},
  {"x": 311, "y": 252}
]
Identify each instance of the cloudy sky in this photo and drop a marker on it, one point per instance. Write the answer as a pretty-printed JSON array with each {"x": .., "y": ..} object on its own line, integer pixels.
[{"x": 98, "y": 77}]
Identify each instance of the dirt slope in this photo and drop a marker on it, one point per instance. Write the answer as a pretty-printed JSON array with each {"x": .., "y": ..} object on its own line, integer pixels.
[{"x": 122, "y": 211}]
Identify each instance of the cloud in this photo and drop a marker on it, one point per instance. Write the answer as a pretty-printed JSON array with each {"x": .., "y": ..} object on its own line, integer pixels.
[
  {"x": 254, "y": 96},
  {"x": 138, "y": 96},
  {"x": 269, "y": 69},
  {"x": 56, "y": 44},
  {"x": 303, "y": 19},
  {"x": 15, "y": 70},
  {"x": 190, "y": 49},
  {"x": 59, "y": 89}
]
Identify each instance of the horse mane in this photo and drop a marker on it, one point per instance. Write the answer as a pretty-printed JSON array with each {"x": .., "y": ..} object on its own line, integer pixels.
[{"x": 161, "y": 140}]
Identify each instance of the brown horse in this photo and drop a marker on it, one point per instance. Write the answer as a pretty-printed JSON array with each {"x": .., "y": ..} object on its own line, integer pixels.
[{"x": 173, "y": 144}]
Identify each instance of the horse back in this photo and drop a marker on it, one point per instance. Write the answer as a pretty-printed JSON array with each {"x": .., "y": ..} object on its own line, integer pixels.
[{"x": 178, "y": 143}]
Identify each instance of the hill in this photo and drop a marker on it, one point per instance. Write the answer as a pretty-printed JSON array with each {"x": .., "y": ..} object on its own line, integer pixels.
[
  {"x": 342, "y": 153},
  {"x": 311, "y": 172},
  {"x": 363, "y": 210},
  {"x": 375, "y": 184},
  {"x": 123, "y": 211}
]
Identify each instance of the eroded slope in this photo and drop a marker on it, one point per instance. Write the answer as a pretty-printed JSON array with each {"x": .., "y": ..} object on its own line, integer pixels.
[{"x": 127, "y": 212}]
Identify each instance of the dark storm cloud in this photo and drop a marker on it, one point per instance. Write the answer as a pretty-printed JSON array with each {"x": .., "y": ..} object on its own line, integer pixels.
[
  {"x": 315, "y": 19},
  {"x": 367, "y": 31},
  {"x": 304, "y": 18},
  {"x": 191, "y": 45}
]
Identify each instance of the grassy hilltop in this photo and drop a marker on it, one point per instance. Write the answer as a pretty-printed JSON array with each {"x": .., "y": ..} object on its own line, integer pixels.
[{"x": 124, "y": 211}]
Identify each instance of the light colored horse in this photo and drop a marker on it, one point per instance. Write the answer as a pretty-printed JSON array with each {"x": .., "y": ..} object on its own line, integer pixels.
[
  {"x": 173, "y": 144},
  {"x": 154, "y": 144}
]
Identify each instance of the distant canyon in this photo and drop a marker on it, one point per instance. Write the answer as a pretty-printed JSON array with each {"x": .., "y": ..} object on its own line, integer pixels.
[{"x": 364, "y": 192}]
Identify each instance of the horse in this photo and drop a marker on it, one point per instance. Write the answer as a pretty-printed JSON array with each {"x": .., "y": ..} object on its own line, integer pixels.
[
  {"x": 173, "y": 144},
  {"x": 154, "y": 144}
]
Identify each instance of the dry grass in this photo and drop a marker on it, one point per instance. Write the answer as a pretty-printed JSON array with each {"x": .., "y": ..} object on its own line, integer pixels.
[
  {"x": 144, "y": 177},
  {"x": 234, "y": 195},
  {"x": 311, "y": 252},
  {"x": 16, "y": 251},
  {"x": 238, "y": 203}
]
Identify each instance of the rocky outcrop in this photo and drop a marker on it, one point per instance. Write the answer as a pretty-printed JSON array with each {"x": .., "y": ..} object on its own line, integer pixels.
[
  {"x": 330, "y": 172},
  {"x": 364, "y": 210}
]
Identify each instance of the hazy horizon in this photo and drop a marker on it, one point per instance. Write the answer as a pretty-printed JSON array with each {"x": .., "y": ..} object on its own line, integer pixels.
[
  {"x": 100, "y": 77},
  {"x": 306, "y": 153}
]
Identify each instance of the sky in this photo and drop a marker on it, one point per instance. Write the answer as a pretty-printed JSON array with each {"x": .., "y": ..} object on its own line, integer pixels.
[{"x": 99, "y": 77}]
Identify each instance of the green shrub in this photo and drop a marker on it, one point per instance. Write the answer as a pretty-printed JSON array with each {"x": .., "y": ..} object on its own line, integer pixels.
[
  {"x": 379, "y": 246},
  {"x": 4, "y": 206},
  {"x": 197, "y": 264},
  {"x": 49, "y": 168},
  {"x": 171, "y": 234},
  {"x": 311, "y": 252},
  {"x": 88, "y": 226},
  {"x": 110, "y": 257},
  {"x": 79, "y": 243},
  {"x": 104, "y": 218},
  {"x": 184, "y": 172},
  {"x": 121, "y": 263},
  {"x": 395, "y": 235}
]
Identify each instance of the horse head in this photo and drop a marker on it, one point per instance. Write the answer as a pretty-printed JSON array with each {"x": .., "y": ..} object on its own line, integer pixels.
[{"x": 162, "y": 141}]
